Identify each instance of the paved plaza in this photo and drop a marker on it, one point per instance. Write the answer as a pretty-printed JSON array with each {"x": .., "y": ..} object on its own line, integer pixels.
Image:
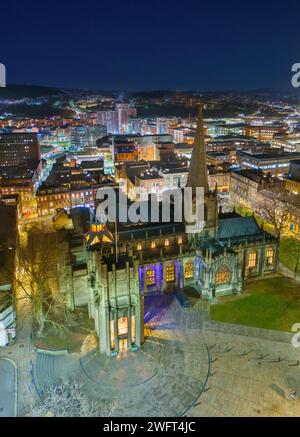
[{"x": 185, "y": 372}]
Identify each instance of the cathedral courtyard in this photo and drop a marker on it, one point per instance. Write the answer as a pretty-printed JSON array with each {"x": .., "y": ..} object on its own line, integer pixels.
[{"x": 184, "y": 370}]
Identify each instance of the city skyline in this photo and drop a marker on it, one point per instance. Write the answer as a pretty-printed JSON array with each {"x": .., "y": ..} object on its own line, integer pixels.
[{"x": 149, "y": 212}]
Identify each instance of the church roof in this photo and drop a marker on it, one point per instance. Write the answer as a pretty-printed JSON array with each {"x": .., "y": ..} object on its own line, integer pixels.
[{"x": 234, "y": 227}]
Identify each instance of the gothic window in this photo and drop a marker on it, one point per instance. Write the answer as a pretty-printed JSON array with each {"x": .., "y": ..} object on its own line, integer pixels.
[
  {"x": 167, "y": 242},
  {"x": 150, "y": 277},
  {"x": 223, "y": 275},
  {"x": 133, "y": 329},
  {"x": 123, "y": 326},
  {"x": 153, "y": 245},
  {"x": 252, "y": 262},
  {"x": 139, "y": 246},
  {"x": 189, "y": 270},
  {"x": 170, "y": 273},
  {"x": 112, "y": 334},
  {"x": 270, "y": 256}
]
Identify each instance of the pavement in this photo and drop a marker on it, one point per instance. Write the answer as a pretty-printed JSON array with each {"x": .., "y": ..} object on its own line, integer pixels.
[
  {"x": 8, "y": 398},
  {"x": 182, "y": 371},
  {"x": 21, "y": 351}
]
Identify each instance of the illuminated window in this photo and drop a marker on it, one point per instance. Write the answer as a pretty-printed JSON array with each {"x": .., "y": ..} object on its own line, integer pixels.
[
  {"x": 179, "y": 240},
  {"x": 270, "y": 256},
  {"x": 133, "y": 329},
  {"x": 223, "y": 275},
  {"x": 252, "y": 262},
  {"x": 123, "y": 326},
  {"x": 153, "y": 245},
  {"x": 139, "y": 246},
  {"x": 123, "y": 343},
  {"x": 189, "y": 270},
  {"x": 170, "y": 273},
  {"x": 150, "y": 277},
  {"x": 112, "y": 335},
  {"x": 167, "y": 243}
]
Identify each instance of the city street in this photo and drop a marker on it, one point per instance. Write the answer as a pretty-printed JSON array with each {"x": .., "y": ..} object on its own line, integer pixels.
[{"x": 7, "y": 388}]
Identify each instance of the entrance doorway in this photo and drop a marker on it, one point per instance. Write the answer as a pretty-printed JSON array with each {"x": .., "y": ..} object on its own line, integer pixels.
[
  {"x": 123, "y": 344},
  {"x": 123, "y": 333}
]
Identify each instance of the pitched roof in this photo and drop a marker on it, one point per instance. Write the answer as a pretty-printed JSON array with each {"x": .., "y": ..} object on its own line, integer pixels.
[{"x": 238, "y": 227}]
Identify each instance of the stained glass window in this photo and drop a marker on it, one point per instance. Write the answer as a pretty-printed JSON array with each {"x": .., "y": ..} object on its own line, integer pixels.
[
  {"x": 123, "y": 326},
  {"x": 133, "y": 329},
  {"x": 252, "y": 262},
  {"x": 189, "y": 270},
  {"x": 223, "y": 275},
  {"x": 170, "y": 273},
  {"x": 112, "y": 334},
  {"x": 150, "y": 277},
  {"x": 270, "y": 256}
]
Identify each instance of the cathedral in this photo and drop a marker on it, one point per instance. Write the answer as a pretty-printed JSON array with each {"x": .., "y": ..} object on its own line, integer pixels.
[{"x": 111, "y": 269}]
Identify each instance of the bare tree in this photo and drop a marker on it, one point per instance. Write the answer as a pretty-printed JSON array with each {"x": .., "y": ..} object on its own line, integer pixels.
[
  {"x": 294, "y": 254},
  {"x": 67, "y": 399},
  {"x": 36, "y": 271},
  {"x": 274, "y": 207}
]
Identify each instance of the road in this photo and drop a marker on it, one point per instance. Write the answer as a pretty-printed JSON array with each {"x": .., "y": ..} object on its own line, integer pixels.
[{"x": 7, "y": 388}]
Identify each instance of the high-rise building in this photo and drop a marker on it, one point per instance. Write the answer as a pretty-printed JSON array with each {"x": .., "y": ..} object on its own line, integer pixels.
[
  {"x": 117, "y": 121},
  {"x": 110, "y": 120},
  {"x": 78, "y": 136},
  {"x": 18, "y": 148},
  {"x": 94, "y": 133}
]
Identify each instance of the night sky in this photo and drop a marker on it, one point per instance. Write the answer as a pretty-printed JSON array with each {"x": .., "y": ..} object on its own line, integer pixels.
[{"x": 144, "y": 45}]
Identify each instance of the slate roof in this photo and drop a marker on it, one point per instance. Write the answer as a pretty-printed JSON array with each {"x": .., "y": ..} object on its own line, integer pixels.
[{"x": 236, "y": 227}]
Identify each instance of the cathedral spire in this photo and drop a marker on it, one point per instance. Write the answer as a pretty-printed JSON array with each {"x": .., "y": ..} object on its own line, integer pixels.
[{"x": 197, "y": 176}]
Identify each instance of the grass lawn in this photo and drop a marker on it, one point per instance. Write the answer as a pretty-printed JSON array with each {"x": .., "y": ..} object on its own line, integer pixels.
[
  {"x": 72, "y": 339},
  {"x": 269, "y": 303}
]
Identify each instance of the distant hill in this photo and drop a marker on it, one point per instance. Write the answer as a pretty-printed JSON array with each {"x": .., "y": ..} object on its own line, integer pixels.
[{"x": 28, "y": 91}]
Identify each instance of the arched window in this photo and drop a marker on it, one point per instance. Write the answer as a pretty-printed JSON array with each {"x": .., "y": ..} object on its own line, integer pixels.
[
  {"x": 223, "y": 275},
  {"x": 252, "y": 262},
  {"x": 189, "y": 270},
  {"x": 270, "y": 256},
  {"x": 170, "y": 273},
  {"x": 150, "y": 277}
]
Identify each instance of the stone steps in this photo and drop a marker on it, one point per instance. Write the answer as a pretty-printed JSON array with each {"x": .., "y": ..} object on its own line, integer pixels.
[{"x": 44, "y": 373}]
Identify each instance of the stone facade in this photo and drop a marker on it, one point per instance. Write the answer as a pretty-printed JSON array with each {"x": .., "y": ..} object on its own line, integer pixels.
[{"x": 112, "y": 279}]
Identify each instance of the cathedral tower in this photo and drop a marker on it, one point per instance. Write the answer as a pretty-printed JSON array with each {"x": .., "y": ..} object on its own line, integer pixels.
[{"x": 198, "y": 177}]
